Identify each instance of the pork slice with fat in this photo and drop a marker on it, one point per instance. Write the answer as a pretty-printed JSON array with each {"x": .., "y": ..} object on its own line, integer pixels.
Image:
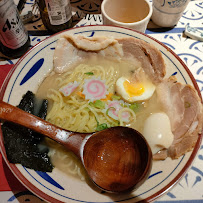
[
  {"x": 90, "y": 43},
  {"x": 184, "y": 108},
  {"x": 150, "y": 57},
  {"x": 70, "y": 51}
]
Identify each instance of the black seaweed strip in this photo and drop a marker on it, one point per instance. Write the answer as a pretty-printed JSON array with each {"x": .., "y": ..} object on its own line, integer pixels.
[{"x": 21, "y": 143}]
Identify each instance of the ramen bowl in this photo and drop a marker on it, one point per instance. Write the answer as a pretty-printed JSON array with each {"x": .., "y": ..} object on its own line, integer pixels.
[{"x": 56, "y": 186}]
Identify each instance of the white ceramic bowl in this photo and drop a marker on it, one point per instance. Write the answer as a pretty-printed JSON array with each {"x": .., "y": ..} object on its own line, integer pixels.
[{"x": 55, "y": 187}]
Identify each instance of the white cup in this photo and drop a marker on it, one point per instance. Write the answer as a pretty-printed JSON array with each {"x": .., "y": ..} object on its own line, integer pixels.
[
  {"x": 133, "y": 14},
  {"x": 166, "y": 13}
]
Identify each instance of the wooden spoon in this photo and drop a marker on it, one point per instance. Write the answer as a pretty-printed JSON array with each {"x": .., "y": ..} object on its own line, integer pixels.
[{"x": 117, "y": 159}]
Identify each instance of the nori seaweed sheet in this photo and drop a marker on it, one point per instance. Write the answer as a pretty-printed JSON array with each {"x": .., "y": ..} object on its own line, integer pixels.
[{"x": 22, "y": 144}]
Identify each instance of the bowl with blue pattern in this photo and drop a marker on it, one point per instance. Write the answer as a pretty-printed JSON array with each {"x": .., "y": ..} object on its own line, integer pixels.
[{"x": 56, "y": 186}]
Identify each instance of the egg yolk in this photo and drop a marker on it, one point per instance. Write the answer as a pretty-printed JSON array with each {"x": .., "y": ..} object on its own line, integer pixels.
[{"x": 133, "y": 89}]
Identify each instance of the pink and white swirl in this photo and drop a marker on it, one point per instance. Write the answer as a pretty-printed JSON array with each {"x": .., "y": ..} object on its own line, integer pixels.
[
  {"x": 95, "y": 89},
  {"x": 69, "y": 88},
  {"x": 113, "y": 109}
]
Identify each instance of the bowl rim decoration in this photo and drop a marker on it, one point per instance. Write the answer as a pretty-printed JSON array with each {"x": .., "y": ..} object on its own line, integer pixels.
[{"x": 33, "y": 188}]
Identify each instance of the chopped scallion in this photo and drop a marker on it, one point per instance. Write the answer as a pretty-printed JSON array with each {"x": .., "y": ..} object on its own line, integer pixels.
[
  {"x": 115, "y": 97},
  {"x": 89, "y": 73},
  {"x": 134, "y": 106},
  {"x": 101, "y": 127},
  {"x": 98, "y": 104}
]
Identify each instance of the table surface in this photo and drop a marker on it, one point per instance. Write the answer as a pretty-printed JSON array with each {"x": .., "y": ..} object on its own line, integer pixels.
[{"x": 190, "y": 188}]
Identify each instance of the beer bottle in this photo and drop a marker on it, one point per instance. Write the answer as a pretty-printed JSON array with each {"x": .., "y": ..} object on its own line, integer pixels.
[
  {"x": 56, "y": 14},
  {"x": 14, "y": 39}
]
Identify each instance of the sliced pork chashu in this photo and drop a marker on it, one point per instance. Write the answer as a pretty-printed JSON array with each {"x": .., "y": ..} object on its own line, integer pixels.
[
  {"x": 184, "y": 108},
  {"x": 150, "y": 57},
  {"x": 72, "y": 50}
]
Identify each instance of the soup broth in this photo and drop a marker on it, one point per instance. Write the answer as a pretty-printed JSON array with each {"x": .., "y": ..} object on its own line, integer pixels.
[{"x": 110, "y": 72}]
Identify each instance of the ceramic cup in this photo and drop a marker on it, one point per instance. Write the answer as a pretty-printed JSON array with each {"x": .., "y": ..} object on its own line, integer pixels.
[
  {"x": 133, "y": 14},
  {"x": 166, "y": 13}
]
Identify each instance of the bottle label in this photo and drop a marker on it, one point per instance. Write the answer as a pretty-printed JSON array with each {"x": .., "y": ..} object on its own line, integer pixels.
[
  {"x": 59, "y": 11},
  {"x": 12, "y": 32}
]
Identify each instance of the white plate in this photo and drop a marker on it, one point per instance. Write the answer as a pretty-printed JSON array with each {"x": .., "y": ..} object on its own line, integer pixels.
[{"x": 29, "y": 72}]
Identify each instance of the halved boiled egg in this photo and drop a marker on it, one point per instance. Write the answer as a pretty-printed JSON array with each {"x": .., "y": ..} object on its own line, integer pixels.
[
  {"x": 157, "y": 131},
  {"x": 132, "y": 91}
]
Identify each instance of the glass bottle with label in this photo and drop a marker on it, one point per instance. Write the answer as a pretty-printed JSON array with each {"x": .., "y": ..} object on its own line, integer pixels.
[
  {"x": 14, "y": 39},
  {"x": 56, "y": 14}
]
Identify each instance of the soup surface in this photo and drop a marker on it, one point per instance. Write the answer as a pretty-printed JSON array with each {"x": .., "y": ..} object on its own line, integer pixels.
[{"x": 77, "y": 113}]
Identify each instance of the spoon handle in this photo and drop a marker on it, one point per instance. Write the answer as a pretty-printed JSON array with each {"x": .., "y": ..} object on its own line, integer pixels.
[{"x": 70, "y": 140}]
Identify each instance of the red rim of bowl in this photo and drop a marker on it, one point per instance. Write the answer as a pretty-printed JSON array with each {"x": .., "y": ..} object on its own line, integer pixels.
[{"x": 151, "y": 198}]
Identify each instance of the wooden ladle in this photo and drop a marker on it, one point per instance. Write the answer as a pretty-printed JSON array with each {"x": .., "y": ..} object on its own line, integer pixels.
[{"x": 117, "y": 159}]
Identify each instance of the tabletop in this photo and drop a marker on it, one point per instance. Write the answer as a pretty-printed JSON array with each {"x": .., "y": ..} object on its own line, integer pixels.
[{"x": 87, "y": 12}]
